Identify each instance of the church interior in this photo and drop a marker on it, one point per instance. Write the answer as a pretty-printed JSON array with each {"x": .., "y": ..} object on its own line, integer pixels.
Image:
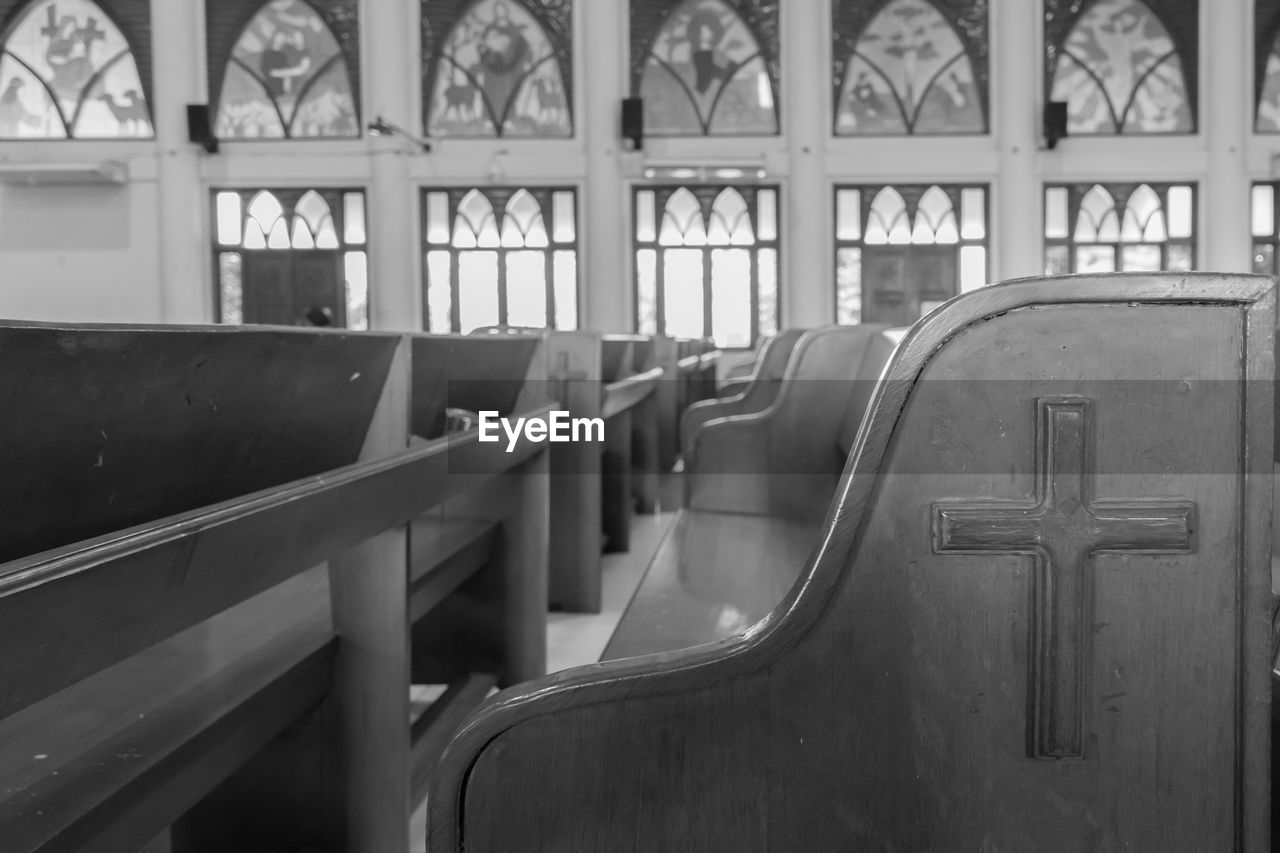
[{"x": 931, "y": 346}]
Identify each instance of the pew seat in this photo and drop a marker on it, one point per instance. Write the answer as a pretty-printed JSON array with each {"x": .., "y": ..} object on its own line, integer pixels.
[{"x": 713, "y": 576}]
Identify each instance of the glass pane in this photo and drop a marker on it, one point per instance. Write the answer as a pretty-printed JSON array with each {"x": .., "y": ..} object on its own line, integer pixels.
[
  {"x": 887, "y": 221},
  {"x": 1142, "y": 205},
  {"x": 1095, "y": 259},
  {"x": 438, "y": 218},
  {"x": 973, "y": 267},
  {"x": 848, "y": 286},
  {"x": 767, "y": 291},
  {"x": 1055, "y": 212},
  {"x": 1264, "y": 259},
  {"x": 1267, "y": 118},
  {"x": 353, "y": 219},
  {"x": 279, "y": 236},
  {"x": 527, "y": 289},
  {"x": 327, "y": 238},
  {"x": 72, "y": 61},
  {"x": 1119, "y": 62},
  {"x": 356, "y": 268},
  {"x": 522, "y": 223},
  {"x": 1097, "y": 220},
  {"x": 973, "y": 213},
  {"x": 498, "y": 76},
  {"x": 935, "y": 220},
  {"x": 731, "y": 297},
  {"x": 682, "y": 223},
  {"x": 767, "y": 214},
  {"x": 682, "y": 293},
  {"x": 565, "y": 228},
  {"x": 1057, "y": 261},
  {"x": 477, "y": 290},
  {"x": 565, "y": 269},
  {"x": 848, "y": 214},
  {"x": 313, "y": 209},
  {"x": 1180, "y": 212},
  {"x": 228, "y": 207},
  {"x": 730, "y": 221},
  {"x": 704, "y": 75},
  {"x": 646, "y": 228},
  {"x": 647, "y": 291},
  {"x": 439, "y": 292},
  {"x": 475, "y": 224},
  {"x": 909, "y": 74},
  {"x": 1262, "y": 215},
  {"x": 1179, "y": 258},
  {"x": 253, "y": 236},
  {"x": 1143, "y": 258},
  {"x": 301, "y": 235},
  {"x": 229, "y": 282}
]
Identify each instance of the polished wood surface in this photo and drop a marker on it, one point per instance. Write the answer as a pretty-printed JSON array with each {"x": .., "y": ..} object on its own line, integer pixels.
[
  {"x": 785, "y": 459},
  {"x": 714, "y": 575},
  {"x": 887, "y": 702},
  {"x": 474, "y": 373}
]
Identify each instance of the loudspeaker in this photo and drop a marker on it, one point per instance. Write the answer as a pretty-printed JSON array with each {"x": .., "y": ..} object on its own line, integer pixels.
[
  {"x": 198, "y": 130},
  {"x": 1055, "y": 123},
  {"x": 633, "y": 123}
]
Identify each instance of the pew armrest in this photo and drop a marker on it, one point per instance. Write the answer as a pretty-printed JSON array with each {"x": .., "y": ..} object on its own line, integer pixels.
[
  {"x": 732, "y": 472},
  {"x": 755, "y": 397}
]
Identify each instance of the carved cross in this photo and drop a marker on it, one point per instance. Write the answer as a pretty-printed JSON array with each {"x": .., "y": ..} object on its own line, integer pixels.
[{"x": 1063, "y": 527}]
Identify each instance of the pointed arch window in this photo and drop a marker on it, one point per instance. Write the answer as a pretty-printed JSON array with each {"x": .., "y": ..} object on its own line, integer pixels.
[
  {"x": 1120, "y": 68},
  {"x": 500, "y": 256},
  {"x": 707, "y": 262},
  {"x": 1113, "y": 227},
  {"x": 905, "y": 67},
  {"x": 287, "y": 75},
  {"x": 1266, "y": 41},
  {"x": 497, "y": 68},
  {"x": 901, "y": 250},
  {"x": 292, "y": 257},
  {"x": 68, "y": 71},
  {"x": 706, "y": 67}
]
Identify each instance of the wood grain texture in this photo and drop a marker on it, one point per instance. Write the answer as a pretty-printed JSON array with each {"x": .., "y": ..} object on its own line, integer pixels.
[
  {"x": 471, "y": 372},
  {"x": 860, "y": 712}
]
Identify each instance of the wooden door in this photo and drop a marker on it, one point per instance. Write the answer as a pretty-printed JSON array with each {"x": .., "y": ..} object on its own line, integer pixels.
[
  {"x": 281, "y": 287},
  {"x": 902, "y": 283}
]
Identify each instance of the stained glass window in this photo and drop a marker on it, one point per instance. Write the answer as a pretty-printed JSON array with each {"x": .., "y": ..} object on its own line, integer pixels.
[
  {"x": 1266, "y": 61},
  {"x": 291, "y": 257},
  {"x": 500, "y": 256},
  {"x": 1114, "y": 227},
  {"x": 707, "y": 262},
  {"x": 905, "y": 67},
  {"x": 706, "y": 67},
  {"x": 287, "y": 77},
  {"x": 68, "y": 71},
  {"x": 903, "y": 249},
  {"x": 1264, "y": 221},
  {"x": 501, "y": 68},
  {"x": 1119, "y": 68}
]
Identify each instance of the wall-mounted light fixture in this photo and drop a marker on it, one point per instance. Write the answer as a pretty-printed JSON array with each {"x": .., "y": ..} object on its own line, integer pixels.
[
  {"x": 381, "y": 127},
  {"x": 745, "y": 173}
]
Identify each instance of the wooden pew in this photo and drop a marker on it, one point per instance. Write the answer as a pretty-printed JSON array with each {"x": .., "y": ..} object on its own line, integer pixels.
[
  {"x": 737, "y": 377},
  {"x": 1036, "y": 618},
  {"x": 689, "y": 374},
  {"x": 753, "y": 394},
  {"x": 164, "y": 606}
]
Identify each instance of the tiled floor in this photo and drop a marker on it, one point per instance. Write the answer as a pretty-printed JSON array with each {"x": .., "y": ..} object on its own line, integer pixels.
[{"x": 574, "y": 639}]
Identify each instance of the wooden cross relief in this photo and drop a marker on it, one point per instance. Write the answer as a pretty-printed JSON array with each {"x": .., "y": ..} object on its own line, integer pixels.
[{"x": 1062, "y": 527}]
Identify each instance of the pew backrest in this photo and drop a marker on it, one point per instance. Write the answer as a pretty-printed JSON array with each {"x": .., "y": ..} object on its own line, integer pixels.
[{"x": 477, "y": 373}]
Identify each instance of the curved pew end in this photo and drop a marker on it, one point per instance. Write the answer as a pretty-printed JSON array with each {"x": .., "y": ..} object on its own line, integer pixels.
[{"x": 1038, "y": 617}]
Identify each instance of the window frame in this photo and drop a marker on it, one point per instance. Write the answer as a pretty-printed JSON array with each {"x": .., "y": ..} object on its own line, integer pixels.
[{"x": 1076, "y": 192}]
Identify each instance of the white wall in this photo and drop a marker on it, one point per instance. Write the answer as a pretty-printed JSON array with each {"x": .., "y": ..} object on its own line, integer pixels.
[{"x": 143, "y": 252}]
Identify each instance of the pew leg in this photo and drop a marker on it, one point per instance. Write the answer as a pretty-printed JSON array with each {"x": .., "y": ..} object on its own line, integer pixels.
[
  {"x": 615, "y": 499},
  {"x": 645, "y": 456},
  {"x": 574, "y": 563},
  {"x": 524, "y": 577}
]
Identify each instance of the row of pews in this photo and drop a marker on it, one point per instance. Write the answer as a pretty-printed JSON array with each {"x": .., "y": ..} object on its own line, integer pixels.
[
  {"x": 229, "y": 553},
  {"x": 1000, "y": 583}
]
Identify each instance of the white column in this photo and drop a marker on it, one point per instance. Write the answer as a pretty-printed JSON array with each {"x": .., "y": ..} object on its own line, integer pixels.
[
  {"x": 390, "y": 87},
  {"x": 1226, "y": 109},
  {"x": 601, "y": 72},
  {"x": 1016, "y": 232},
  {"x": 186, "y": 289},
  {"x": 808, "y": 283}
]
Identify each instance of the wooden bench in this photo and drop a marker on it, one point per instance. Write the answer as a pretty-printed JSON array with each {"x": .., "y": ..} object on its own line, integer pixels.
[
  {"x": 167, "y": 618},
  {"x": 736, "y": 377},
  {"x": 1037, "y": 616},
  {"x": 689, "y": 374}
]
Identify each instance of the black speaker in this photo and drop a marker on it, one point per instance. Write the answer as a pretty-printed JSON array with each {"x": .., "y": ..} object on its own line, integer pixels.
[
  {"x": 633, "y": 123},
  {"x": 1055, "y": 123},
  {"x": 198, "y": 130}
]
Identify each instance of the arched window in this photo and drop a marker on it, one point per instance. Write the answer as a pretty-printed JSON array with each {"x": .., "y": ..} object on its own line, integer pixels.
[
  {"x": 903, "y": 249},
  {"x": 68, "y": 72},
  {"x": 1120, "y": 71},
  {"x": 500, "y": 256},
  {"x": 1111, "y": 227},
  {"x": 286, "y": 78},
  {"x": 284, "y": 254},
  {"x": 707, "y": 265},
  {"x": 502, "y": 70},
  {"x": 908, "y": 71},
  {"x": 706, "y": 71},
  {"x": 1267, "y": 44}
]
